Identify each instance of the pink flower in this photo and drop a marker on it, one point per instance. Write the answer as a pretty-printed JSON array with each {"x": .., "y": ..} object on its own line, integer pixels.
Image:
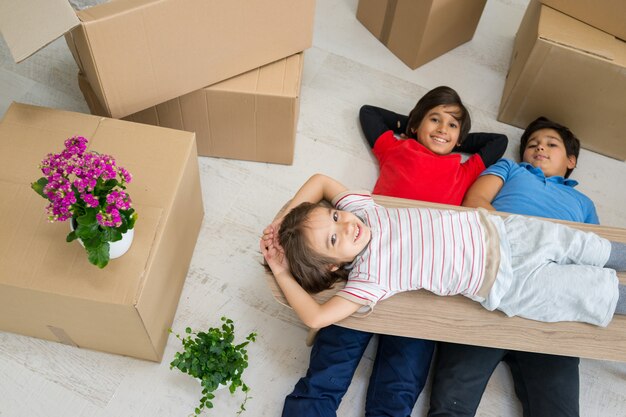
[
  {"x": 76, "y": 181},
  {"x": 90, "y": 200}
]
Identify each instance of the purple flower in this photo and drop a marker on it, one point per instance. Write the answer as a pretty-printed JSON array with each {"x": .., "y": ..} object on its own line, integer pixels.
[
  {"x": 75, "y": 181},
  {"x": 90, "y": 200}
]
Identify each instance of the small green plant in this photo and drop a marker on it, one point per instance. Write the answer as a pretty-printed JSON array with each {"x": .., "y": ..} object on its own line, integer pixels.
[{"x": 214, "y": 359}]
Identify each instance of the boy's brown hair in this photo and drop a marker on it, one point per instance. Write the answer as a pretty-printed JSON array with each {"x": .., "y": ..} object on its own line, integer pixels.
[
  {"x": 310, "y": 269},
  {"x": 436, "y": 97},
  {"x": 571, "y": 142}
]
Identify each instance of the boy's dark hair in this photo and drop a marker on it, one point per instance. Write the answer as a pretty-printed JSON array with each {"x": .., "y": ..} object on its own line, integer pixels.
[
  {"x": 441, "y": 95},
  {"x": 310, "y": 269},
  {"x": 571, "y": 142}
]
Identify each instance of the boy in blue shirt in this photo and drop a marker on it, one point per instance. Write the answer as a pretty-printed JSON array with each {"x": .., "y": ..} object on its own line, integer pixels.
[{"x": 547, "y": 385}]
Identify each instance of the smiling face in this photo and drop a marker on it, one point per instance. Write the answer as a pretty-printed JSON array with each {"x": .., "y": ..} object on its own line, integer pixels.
[
  {"x": 439, "y": 130},
  {"x": 545, "y": 150},
  {"x": 337, "y": 234}
]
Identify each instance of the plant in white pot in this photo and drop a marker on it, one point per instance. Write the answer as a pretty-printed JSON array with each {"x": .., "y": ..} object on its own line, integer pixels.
[
  {"x": 88, "y": 188},
  {"x": 215, "y": 360}
]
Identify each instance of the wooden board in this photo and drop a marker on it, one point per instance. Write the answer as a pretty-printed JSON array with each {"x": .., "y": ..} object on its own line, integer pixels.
[{"x": 457, "y": 319}]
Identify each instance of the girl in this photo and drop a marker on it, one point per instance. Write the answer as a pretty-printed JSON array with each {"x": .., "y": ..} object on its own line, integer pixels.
[
  {"x": 420, "y": 165},
  {"x": 522, "y": 266}
]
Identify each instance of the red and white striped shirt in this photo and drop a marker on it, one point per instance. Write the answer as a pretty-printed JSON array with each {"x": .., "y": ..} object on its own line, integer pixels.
[{"x": 442, "y": 251}]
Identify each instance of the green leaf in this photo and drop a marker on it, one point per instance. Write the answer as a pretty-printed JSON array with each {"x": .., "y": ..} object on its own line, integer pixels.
[
  {"x": 89, "y": 218},
  {"x": 71, "y": 236},
  {"x": 111, "y": 234},
  {"x": 39, "y": 185},
  {"x": 132, "y": 218},
  {"x": 98, "y": 255}
]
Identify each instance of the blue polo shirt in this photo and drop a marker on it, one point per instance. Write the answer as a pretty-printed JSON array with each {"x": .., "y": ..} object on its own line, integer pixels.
[{"x": 527, "y": 191}]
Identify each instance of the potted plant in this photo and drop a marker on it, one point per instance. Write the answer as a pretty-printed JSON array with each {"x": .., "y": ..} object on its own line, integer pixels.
[
  {"x": 88, "y": 188},
  {"x": 214, "y": 359}
]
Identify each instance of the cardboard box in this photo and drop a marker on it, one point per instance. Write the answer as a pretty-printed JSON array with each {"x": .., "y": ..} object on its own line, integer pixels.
[
  {"x": 572, "y": 73},
  {"x": 606, "y": 15},
  {"x": 48, "y": 289},
  {"x": 252, "y": 116},
  {"x": 139, "y": 53},
  {"x": 417, "y": 31}
]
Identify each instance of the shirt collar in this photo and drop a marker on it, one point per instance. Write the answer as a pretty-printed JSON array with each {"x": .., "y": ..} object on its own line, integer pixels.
[{"x": 557, "y": 179}]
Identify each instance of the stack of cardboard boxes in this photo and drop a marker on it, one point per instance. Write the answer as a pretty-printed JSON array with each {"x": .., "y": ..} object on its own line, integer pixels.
[
  {"x": 569, "y": 64},
  {"x": 148, "y": 61}
]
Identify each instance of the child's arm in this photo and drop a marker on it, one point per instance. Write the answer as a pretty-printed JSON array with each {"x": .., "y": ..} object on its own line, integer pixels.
[
  {"x": 489, "y": 146},
  {"x": 375, "y": 121},
  {"x": 317, "y": 188},
  {"x": 313, "y": 314},
  {"x": 483, "y": 191}
]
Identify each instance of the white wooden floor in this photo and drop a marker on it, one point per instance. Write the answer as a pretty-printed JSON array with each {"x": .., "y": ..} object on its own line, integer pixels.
[{"x": 345, "y": 68}]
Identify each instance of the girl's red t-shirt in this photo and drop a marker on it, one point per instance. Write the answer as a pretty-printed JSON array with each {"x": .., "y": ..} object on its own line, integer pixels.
[{"x": 410, "y": 170}]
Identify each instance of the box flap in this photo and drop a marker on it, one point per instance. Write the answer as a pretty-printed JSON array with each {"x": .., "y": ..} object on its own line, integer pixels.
[
  {"x": 566, "y": 31},
  {"x": 606, "y": 15},
  {"x": 28, "y": 26},
  {"x": 280, "y": 78}
]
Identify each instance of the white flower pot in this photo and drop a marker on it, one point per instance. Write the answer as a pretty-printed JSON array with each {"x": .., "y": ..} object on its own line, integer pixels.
[{"x": 116, "y": 249}]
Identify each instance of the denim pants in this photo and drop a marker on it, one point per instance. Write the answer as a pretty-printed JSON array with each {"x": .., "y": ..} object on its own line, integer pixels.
[
  {"x": 546, "y": 385},
  {"x": 398, "y": 376}
]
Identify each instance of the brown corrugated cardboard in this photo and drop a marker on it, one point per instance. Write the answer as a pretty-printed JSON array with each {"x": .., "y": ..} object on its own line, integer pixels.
[
  {"x": 606, "y": 15},
  {"x": 417, "y": 31},
  {"x": 572, "y": 73},
  {"x": 28, "y": 26},
  {"x": 139, "y": 53},
  {"x": 252, "y": 116},
  {"x": 48, "y": 289}
]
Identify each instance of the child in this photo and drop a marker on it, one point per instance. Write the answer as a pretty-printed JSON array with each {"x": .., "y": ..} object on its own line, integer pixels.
[
  {"x": 540, "y": 184},
  {"x": 423, "y": 166},
  {"x": 521, "y": 266}
]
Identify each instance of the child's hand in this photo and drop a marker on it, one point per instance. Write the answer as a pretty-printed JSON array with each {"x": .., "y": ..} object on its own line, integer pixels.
[{"x": 272, "y": 251}]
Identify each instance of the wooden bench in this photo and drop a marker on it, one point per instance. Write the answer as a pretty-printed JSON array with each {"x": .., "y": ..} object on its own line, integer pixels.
[{"x": 457, "y": 319}]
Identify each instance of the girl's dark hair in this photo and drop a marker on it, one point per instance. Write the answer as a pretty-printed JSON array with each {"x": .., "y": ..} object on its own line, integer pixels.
[
  {"x": 310, "y": 269},
  {"x": 436, "y": 97},
  {"x": 571, "y": 142}
]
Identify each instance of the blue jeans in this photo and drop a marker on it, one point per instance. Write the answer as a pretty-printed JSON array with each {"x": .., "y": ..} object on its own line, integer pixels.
[
  {"x": 398, "y": 376},
  {"x": 546, "y": 385}
]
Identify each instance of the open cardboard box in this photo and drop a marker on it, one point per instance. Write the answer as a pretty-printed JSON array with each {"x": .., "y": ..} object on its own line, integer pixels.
[
  {"x": 418, "y": 31},
  {"x": 252, "y": 116},
  {"x": 572, "y": 73},
  {"x": 139, "y": 53},
  {"x": 48, "y": 289}
]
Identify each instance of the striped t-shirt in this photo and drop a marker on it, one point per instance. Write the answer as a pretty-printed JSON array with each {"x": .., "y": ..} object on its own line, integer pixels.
[{"x": 442, "y": 251}]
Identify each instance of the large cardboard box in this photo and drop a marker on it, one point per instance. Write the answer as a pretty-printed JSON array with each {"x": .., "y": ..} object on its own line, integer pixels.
[
  {"x": 417, "y": 31},
  {"x": 139, "y": 53},
  {"x": 606, "y": 15},
  {"x": 572, "y": 73},
  {"x": 252, "y": 116},
  {"x": 48, "y": 289}
]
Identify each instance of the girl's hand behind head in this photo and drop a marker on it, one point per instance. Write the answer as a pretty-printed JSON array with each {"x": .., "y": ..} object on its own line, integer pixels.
[{"x": 272, "y": 251}]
